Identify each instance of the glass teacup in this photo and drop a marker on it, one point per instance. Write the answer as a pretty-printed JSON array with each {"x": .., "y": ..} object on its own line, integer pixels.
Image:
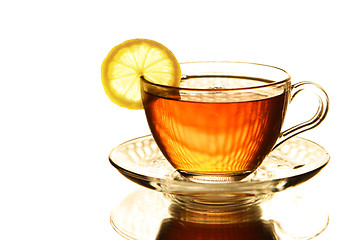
[{"x": 224, "y": 118}]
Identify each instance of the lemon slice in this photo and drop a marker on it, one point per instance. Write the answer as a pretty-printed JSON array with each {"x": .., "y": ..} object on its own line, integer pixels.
[{"x": 127, "y": 62}]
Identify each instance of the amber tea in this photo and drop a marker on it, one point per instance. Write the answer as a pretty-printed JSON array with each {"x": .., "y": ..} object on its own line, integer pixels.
[{"x": 217, "y": 132}]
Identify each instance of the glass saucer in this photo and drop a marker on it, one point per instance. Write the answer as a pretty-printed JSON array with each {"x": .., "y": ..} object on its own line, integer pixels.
[{"x": 292, "y": 163}]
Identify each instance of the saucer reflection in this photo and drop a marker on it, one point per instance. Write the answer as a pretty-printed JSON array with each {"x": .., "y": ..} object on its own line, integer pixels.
[{"x": 148, "y": 215}]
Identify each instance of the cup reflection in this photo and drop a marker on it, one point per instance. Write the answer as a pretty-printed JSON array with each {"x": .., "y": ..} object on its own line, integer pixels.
[
  {"x": 176, "y": 229},
  {"x": 245, "y": 224}
]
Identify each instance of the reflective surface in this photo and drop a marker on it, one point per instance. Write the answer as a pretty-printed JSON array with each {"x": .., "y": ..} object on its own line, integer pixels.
[{"x": 149, "y": 215}]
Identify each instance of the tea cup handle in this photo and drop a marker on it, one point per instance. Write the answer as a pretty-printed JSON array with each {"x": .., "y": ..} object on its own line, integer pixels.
[{"x": 316, "y": 119}]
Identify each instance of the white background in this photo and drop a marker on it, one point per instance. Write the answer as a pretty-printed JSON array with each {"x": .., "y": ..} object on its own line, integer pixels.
[{"x": 57, "y": 126}]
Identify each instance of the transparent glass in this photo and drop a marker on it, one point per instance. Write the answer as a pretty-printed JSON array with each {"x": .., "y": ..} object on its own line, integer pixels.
[
  {"x": 290, "y": 164},
  {"x": 224, "y": 118}
]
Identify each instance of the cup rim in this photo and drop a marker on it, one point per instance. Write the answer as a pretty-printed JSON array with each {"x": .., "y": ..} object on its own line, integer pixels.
[{"x": 287, "y": 79}]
